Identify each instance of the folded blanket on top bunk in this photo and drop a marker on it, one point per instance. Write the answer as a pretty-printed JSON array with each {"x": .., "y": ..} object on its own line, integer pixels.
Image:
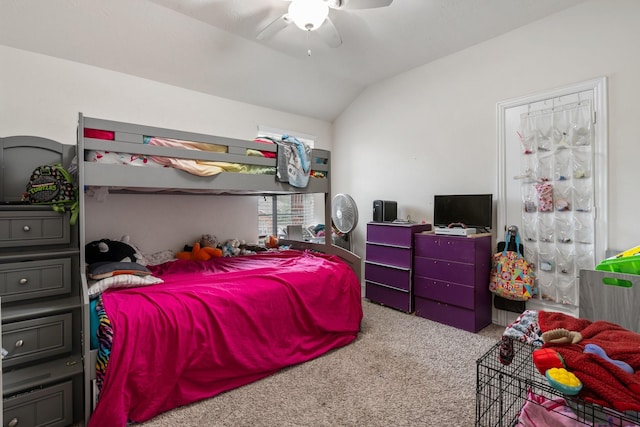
[
  {"x": 293, "y": 158},
  {"x": 604, "y": 383},
  {"x": 195, "y": 167},
  {"x": 204, "y": 167}
]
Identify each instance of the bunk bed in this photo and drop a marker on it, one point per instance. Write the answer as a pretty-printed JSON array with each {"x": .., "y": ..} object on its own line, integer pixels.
[{"x": 214, "y": 325}]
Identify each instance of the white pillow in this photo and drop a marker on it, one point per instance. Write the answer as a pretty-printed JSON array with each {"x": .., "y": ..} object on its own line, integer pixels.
[{"x": 121, "y": 281}]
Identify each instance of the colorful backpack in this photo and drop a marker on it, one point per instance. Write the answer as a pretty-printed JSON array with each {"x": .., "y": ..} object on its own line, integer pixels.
[
  {"x": 53, "y": 185},
  {"x": 512, "y": 277}
]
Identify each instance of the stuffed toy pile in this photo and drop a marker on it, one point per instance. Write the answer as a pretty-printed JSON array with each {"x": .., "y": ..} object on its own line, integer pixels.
[
  {"x": 208, "y": 247},
  {"x": 202, "y": 250}
]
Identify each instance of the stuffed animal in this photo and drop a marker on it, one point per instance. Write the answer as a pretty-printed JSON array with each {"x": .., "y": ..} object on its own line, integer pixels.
[
  {"x": 140, "y": 257},
  {"x": 271, "y": 242},
  {"x": 208, "y": 241},
  {"x": 251, "y": 248},
  {"x": 199, "y": 253},
  {"x": 231, "y": 247},
  {"x": 109, "y": 250}
]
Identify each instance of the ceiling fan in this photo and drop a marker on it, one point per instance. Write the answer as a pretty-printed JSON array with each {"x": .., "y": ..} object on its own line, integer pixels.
[{"x": 313, "y": 15}]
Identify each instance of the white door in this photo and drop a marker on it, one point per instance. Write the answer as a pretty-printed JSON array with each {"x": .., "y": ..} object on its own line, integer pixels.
[{"x": 552, "y": 186}]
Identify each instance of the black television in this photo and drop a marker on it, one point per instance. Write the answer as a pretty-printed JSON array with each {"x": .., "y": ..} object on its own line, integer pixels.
[{"x": 470, "y": 210}]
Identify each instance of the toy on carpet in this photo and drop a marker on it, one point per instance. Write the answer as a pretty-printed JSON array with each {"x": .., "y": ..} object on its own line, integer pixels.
[
  {"x": 599, "y": 351},
  {"x": 105, "y": 250}
]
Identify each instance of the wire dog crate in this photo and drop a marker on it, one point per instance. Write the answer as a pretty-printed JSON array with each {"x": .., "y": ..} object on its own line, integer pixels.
[{"x": 502, "y": 391}]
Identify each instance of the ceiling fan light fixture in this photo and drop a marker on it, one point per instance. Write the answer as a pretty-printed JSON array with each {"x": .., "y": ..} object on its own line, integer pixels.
[{"x": 308, "y": 15}]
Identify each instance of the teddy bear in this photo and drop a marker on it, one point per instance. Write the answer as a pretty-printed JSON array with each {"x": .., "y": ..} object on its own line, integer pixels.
[{"x": 209, "y": 241}]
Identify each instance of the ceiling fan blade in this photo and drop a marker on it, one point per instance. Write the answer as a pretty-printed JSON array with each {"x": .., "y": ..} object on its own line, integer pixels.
[
  {"x": 329, "y": 34},
  {"x": 364, "y": 4},
  {"x": 274, "y": 27}
]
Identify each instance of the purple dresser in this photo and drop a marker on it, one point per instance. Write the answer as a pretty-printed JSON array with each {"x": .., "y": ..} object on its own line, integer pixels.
[
  {"x": 451, "y": 280},
  {"x": 388, "y": 265}
]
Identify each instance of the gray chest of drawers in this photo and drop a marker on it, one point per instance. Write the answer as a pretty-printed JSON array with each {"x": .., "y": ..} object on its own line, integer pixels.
[
  {"x": 388, "y": 264},
  {"x": 41, "y": 304}
]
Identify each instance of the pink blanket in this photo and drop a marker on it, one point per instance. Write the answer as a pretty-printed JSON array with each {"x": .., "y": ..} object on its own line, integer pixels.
[{"x": 216, "y": 325}]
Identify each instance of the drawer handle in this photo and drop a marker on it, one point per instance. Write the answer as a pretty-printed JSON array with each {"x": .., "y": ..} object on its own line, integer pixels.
[
  {"x": 19, "y": 343},
  {"x": 23, "y": 281},
  {"x": 13, "y": 423},
  {"x": 25, "y": 228}
]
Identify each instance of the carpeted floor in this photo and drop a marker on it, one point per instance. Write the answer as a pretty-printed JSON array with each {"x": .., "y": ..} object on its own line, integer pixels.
[{"x": 402, "y": 370}]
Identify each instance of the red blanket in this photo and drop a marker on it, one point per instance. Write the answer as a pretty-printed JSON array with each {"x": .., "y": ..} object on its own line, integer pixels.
[
  {"x": 604, "y": 383},
  {"x": 219, "y": 324}
]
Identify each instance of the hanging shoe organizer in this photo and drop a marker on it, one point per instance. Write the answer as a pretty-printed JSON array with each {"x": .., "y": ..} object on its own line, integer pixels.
[{"x": 554, "y": 176}]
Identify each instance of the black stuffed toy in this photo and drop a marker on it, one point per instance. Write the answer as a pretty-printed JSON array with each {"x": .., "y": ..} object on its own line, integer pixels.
[{"x": 109, "y": 250}]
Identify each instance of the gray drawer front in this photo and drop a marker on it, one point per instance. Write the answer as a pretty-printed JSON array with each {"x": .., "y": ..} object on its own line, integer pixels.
[
  {"x": 34, "y": 279},
  {"x": 36, "y": 339},
  {"x": 33, "y": 228},
  {"x": 51, "y": 407}
]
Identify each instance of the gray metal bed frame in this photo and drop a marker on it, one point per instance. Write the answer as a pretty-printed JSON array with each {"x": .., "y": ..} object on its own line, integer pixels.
[{"x": 130, "y": 179}]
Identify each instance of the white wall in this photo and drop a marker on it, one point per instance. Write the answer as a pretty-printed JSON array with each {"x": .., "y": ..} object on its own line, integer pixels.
[
  {"x": 433, "y": 129},
  {"x": 42, "y": 96}
]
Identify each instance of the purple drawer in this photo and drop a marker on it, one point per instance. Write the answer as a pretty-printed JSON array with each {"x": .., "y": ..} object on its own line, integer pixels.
[
  {"x": 394, "y": 277},
  {"x": 459, "y": 249},
  {"x": 450, "y": 293},
  {"x": 394, "y": 234},
  {"x": 457, "y": 317},
  {"x": 400, "y": 300},
  {"x": 390, "y": 255},
  {"x": 448, "y": 271}
]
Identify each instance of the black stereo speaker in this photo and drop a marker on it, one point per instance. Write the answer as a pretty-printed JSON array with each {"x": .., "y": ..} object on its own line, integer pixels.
[{"x": 385, "y": 211}]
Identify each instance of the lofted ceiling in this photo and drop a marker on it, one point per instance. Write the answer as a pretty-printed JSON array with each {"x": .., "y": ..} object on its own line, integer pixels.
[{"x": 210, "y": 46}]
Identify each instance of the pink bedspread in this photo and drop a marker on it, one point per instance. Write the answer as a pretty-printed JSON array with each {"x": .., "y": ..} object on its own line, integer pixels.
[{"x": 216, "y": 325}]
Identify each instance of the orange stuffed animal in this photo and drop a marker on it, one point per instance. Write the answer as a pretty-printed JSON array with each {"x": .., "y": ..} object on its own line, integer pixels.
[
  {"x": 200, "y": 253},
  {"x": 271, "y": 242}
]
